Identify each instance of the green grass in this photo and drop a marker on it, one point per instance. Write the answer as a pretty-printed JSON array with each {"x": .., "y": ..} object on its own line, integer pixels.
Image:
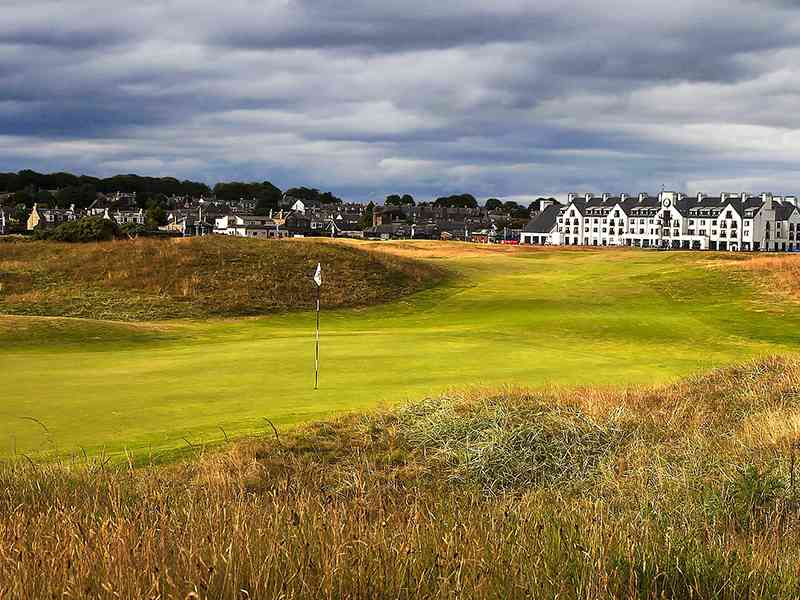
[{"x": 532, "y": 318}]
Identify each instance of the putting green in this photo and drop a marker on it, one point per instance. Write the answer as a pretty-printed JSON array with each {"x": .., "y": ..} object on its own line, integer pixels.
[{"x": 507, "y": 316}]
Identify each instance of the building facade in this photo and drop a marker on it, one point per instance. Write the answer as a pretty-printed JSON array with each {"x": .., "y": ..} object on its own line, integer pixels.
[
  {"x": 671, "y": 220},
  {"x": 50, "y": 217}
]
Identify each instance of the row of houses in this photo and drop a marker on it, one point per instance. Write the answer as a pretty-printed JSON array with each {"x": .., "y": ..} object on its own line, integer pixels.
[
  {"x": 670, "y": 220},
  {"x": 45, "y": 217},
  {"x": 428, "y": 221}
]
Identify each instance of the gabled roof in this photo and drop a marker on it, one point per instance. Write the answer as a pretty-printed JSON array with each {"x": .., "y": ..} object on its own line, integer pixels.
[
  {"x": 783, "y": 210},
  {"x": 545, "y": 221}
]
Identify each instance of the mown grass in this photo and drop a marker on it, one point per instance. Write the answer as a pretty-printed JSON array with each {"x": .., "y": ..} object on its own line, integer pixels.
[
  {"x": 148, "y": 279},
  {"x": 534, "y": 317},
  {"x": 678, "y": 491}
]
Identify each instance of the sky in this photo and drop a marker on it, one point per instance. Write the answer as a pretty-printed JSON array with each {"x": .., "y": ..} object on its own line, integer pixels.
[{"x": 366, "y": 98}]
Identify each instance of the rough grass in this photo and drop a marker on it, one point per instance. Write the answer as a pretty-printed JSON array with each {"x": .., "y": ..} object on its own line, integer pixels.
[
  {"x": 147, "y": 279},
  {"x": 678, "y": 491},
  {"x": 779, "y": 274}
]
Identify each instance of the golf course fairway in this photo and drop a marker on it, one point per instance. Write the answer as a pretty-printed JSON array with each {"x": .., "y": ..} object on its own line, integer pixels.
[{"x": 504, "y": 316}]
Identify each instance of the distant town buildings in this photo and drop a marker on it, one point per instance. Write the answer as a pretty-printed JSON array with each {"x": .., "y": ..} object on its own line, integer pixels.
[{"x": 670, "y": 220}]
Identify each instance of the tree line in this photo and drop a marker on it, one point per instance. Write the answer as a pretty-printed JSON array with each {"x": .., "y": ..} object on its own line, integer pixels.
[{"x": 65, "y": 189}]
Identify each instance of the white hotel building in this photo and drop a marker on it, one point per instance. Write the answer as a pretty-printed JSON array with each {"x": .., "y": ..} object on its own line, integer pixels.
[{"x": 671, "y": 220}]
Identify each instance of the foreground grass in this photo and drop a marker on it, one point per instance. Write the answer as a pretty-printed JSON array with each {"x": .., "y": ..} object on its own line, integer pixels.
[
  {"x": 148, "y": 279},
  {"x": 678, "y": 491},
  {"x": 534, "y": 317}
]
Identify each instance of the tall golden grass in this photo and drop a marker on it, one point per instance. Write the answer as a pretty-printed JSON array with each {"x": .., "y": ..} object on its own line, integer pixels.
[
  {"x": 683, "y": 491},
  {"x": 146, "y": 279},
  {"x": 778, "y": 274}
]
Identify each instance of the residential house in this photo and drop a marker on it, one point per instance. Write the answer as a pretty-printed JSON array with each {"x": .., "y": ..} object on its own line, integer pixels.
[
  {"x": 43, "y": 217},
  {"x": 253, "y": 226},
  {"x": 126, "y": 217},
  {"x": 542, "y": 227}
]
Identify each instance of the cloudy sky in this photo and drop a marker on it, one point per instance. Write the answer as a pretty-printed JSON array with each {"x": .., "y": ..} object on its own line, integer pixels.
[{"x": 363, "y": 97}]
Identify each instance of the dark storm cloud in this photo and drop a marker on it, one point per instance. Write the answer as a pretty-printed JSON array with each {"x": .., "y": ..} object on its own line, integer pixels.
[{"x": 506, "y": 98}]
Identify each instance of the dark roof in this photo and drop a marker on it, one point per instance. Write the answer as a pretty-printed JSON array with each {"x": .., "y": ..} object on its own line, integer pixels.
[
  {"x": 544, "y": 221},
  {"x": 783, "y": 210}
]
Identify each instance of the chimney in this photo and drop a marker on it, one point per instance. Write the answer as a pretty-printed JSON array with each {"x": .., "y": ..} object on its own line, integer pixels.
[
  {"x": 570, "y": 197},
  {"x": 588, "y": 197},
  {"x": 72, "y": 208},
  {"x": 544, "y": 203},
  {"x": 744, "y": 196},
  {"x": 700, "y": 196},
  {"x": 606, "y": 196},
  {"x": 767, "y": 201},
  {"x": 791, "y": 200},
  {"x": 642, "y": 196},
  {"x": 623, "y": 196},
  {"x": 723, "y": 196}
]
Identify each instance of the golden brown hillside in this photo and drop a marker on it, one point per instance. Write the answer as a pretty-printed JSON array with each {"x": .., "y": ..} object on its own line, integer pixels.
[{"x": 146, "y": 279}]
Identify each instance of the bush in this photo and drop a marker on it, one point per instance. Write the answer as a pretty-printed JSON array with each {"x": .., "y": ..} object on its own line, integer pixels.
[
  {"x": 87, "y": 229},
  {"x": 752, "y": 491}
]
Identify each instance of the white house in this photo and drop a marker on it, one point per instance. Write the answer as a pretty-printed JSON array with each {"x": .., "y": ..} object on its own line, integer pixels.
[
  {"x": 671, "y": 220},
  {"x": 123, "y": 217},
  {"x": 258, "y": 226}
]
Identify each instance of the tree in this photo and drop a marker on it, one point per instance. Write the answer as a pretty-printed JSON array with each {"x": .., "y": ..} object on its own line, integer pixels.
[
  {"x": 80, "y": 195},
  {"x": 520, "y": 213},
  {"x": 312, "y": 195},
  {"x": 397, "y": 200},
  {"x": 20, "y": 213},
  {"x": 24, "y": 196},
  {"x": 365, "y": 222},
  {"x": 493, "y": 204},
  {"x": 44, "y": 197},
  {"x": 537, "y": 204},
  {"x": 88, "y": 229},
  {"x": 457, "y": 201},
  {"x": 267, "y": 196},
  {"x": 156, "y": 216}
]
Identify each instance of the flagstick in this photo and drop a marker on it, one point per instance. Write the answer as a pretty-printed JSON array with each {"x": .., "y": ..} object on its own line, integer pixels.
[{"x": 316, "y": 354}]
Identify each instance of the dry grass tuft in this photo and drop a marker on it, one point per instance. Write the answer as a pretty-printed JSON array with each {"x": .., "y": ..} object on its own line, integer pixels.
[
  {"x": 777, "y": 275},
  {"x": 680, "y": 491}
]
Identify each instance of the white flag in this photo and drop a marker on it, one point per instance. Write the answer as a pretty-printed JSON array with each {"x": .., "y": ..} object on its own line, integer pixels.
[{"x": 318, "y": 275}]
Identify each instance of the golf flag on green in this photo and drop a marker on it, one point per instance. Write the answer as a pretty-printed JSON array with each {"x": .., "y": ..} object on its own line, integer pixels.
[
  {"x": 318, "y": 281},
  {"x": 318, "y": 275}
]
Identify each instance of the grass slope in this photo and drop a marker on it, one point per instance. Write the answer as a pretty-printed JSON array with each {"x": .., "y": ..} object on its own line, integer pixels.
[
  {"x": 680, "y": 491},
  {"x": 528, "y": 317},
  {"x": 146, "y": 279}
]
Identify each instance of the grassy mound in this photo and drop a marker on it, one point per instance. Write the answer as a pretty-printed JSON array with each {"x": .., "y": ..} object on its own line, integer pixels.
[
  {"x": 148, "y": 279},
  {"x": 680, "y": 491}
]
